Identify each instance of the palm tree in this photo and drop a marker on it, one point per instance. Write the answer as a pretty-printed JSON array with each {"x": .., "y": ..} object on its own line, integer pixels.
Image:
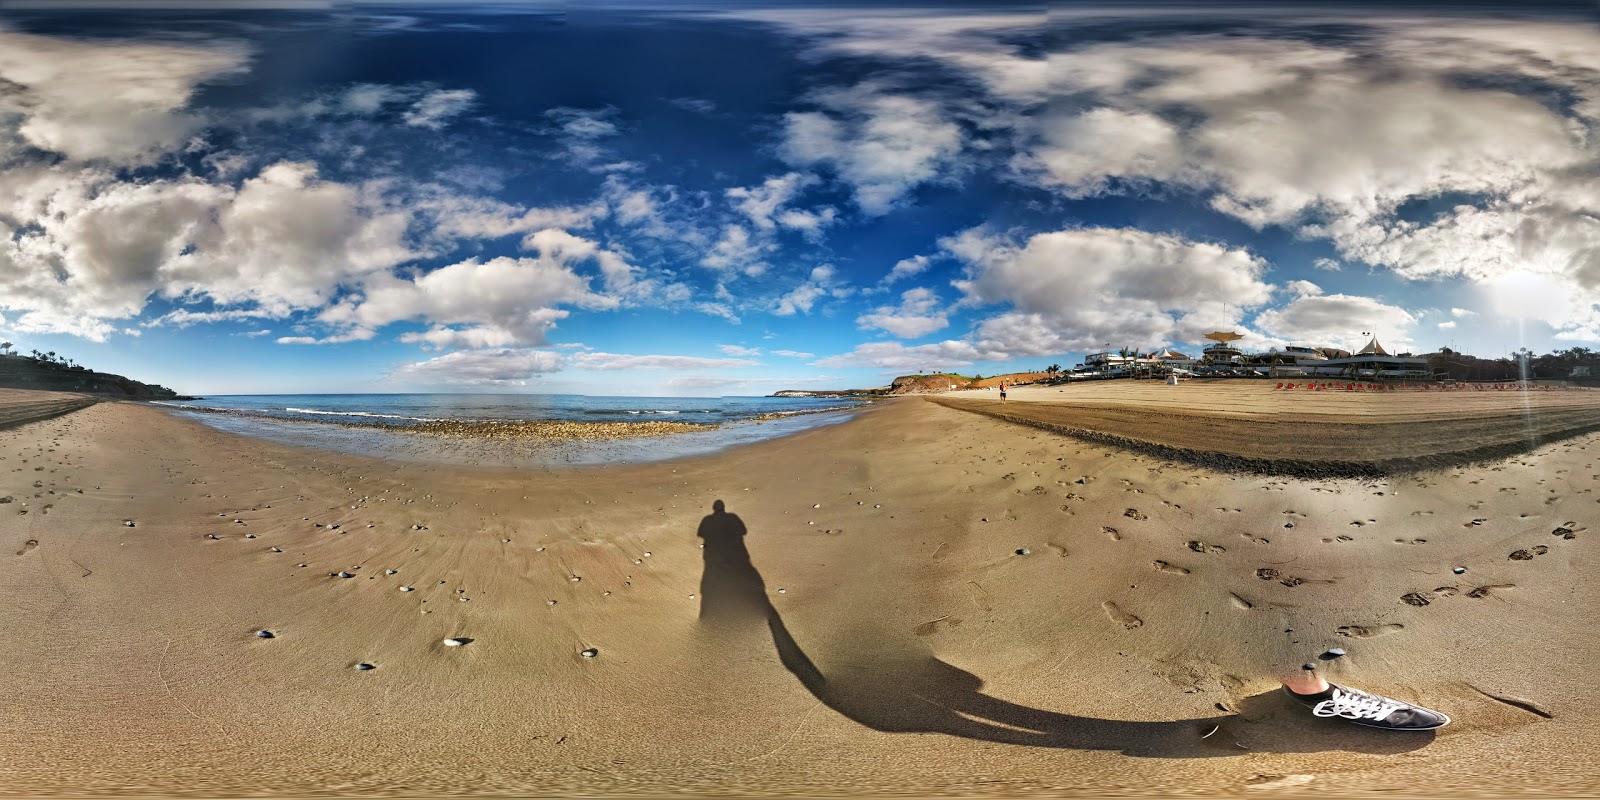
[{"x": 5, "y": 348}]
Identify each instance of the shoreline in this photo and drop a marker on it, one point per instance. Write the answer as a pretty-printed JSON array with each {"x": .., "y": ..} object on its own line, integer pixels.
[
  {"x": 923, "y": 601},
  {"x": 1250, "y": 428},
  {"x": 513, "y": 442}
]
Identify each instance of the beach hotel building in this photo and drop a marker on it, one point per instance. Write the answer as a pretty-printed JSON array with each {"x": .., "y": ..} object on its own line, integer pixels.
[{"x": 1223, "y": 359}]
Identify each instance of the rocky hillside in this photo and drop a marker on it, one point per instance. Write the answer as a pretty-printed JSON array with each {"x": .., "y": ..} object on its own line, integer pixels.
[{"x": 22, "y": 372}]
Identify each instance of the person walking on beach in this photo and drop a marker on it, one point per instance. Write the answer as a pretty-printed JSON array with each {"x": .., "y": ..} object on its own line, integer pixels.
[
  {"x": 1002, "y": 391},
  {"x": 1328, "y": 699}
]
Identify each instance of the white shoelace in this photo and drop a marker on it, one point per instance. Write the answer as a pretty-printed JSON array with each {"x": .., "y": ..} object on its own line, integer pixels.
[{"x": 1351, "y": 705}]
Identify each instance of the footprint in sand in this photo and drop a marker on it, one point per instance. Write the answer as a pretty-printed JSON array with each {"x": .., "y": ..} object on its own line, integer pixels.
[
  {"x": 1239, "y": 602},
  {"x": 1528, "y": 554},
  {"x": 1112, "y": 532},
  {"x": 1369, "y": 631},
  {"x": 1201, "y": 547},
  {"x": 1418, "y": 599},
  {"x": 1162, "y": 566},
  {"x": 1484, "y": 591},
  {"x": 1133, "y": 513},
  {"x": 29, "y": 545},
  {"x": 1057, "y": 549},
  {"x": 1121, "y": 617}
]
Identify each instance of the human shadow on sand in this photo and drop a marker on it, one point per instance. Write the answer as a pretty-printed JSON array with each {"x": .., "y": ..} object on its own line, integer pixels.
[{"x": 908, "y": 690}]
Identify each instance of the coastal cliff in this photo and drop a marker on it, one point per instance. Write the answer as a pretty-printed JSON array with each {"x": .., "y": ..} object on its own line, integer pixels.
[{"x": 23, "y": 372}]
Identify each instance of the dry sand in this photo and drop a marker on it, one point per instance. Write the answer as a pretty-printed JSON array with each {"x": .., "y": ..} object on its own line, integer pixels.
[{"x": 874, "y": 630}]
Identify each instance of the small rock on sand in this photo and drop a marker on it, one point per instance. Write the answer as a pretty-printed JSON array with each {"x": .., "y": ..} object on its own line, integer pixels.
[
  {"x": 363, "y": 666},
  {"x": 343, "y": 574},
  {"x": 455, "y": 642},
  {"x": 405, "y": 588},
  {"x": 264, "y": 634},
  {"x": 590, "y": 653}
]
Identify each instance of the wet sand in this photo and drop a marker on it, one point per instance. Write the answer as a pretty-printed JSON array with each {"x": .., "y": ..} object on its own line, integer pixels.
[{"x": 920, "y": 600}]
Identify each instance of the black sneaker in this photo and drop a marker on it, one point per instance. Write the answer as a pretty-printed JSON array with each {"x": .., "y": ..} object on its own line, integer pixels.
[{"x": 1373, "y": 710}]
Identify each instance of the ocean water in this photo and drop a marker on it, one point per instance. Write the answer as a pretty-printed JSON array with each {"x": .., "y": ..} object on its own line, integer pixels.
[{"x": 376, "y": 424}]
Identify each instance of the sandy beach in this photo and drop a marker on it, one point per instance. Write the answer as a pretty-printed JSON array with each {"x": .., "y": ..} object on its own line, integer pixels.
[{"x": 922, "y": 600}]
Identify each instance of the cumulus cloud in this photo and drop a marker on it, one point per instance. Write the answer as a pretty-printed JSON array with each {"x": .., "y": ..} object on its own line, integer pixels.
[
  {"x": 1339, "y": 319},
  {"x": 501, "y": 302},
  {"x": 616, "y": 361},
  {"x": 1079, "y": 288},
  {"x": 504, "y": 367},
  {"x": 1447, "y": 326},
  {"x": 737, "y": 350},
  {"x": 792, "y": 354},
  {"x": 920, "y": 313},
  {"x": 881, "y": 143},
  {"x": 121, "y": 102},
  {"x": 1462, "y": 312},
  {"x": 94, "y": 248},
  {"x": 1330, "y": 137}
]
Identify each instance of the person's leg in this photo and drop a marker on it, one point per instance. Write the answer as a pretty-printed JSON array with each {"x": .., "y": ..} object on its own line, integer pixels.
[
  {"x": 1326, "y": 699},
  {"x": 1305, "y": 681}
]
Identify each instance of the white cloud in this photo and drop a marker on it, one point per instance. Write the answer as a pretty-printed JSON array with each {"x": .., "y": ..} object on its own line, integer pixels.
[
  {"x": 436, "y": 108},
  {"x": 883, "y": 144},
  {"x": 1330, "y": 137},
  {"x": 508, "y": 367},
  {"x": 1447, "y": 326},
  {"x": 737, "y": 250},
  {"x": 906, "y": 268},
  {"x": 801, "y": 298},
  {"x": 500, "y": 302},
  {"x": 615, "y": 361},
  {"x": 581, "y": 123},
  {"x": 1462, "y": 312},
  {"x": 922, "y": 357},
  {"x": 737, "y": 350},
  {"x": 1338, "y": 320},
  {"x": 792, "y": 354},
  {"x": 919, "y": 314},
  {"x": 1079, "y": 288},
  {"x": 352, "y": 335},
  {"x": 96, "y": 248},
  {"x": 1326, "y": 265},
  {"x": 118, "y": 101}
]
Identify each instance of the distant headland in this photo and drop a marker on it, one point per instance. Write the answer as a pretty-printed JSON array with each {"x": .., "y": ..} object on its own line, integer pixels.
[{"x": 49, "y": 372}]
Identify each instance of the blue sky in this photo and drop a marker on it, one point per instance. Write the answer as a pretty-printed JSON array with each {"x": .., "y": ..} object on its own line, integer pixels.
[{"x": 739, "y": 198}]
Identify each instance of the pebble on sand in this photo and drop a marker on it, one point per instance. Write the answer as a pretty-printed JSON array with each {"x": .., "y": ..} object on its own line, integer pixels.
[
  {"x": 264, "y": 634},
  {"x": 1332, "y": 653},
  {"x": 590, "y": 653},
  {"x": 455, "y": 642},
  {"x": 276, "y": 549},
  {"x": 343, "y": 574},
  {"x": 389, "y": 572},
  {"x": 1459, "y": 570},
  {"x": 364, "y": 666},
  {"x": 1022, "y": 551},
  {"x": 405, "y": 588}
]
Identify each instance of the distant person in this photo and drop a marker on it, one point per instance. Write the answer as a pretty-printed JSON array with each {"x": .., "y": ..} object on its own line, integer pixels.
[
  {"x": 1326, "y": 699},
  {"x": 1002, "y": 390}
]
